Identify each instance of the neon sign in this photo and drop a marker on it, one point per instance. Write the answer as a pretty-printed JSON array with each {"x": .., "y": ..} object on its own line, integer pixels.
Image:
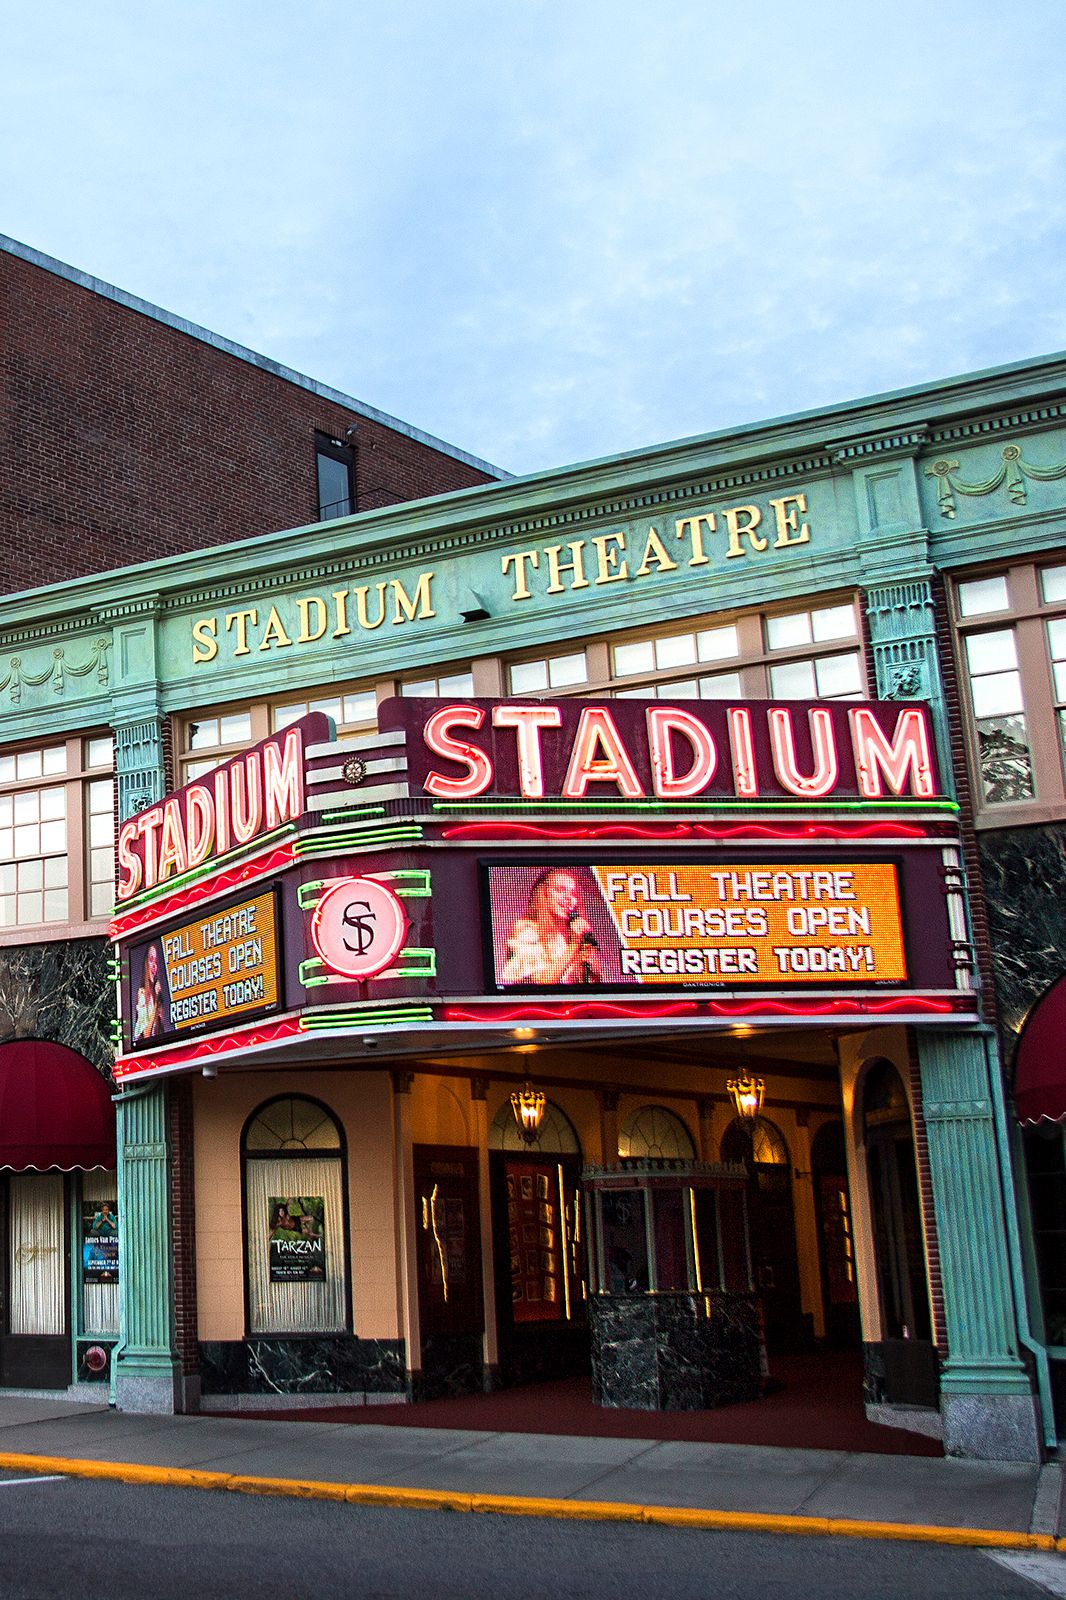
[
  {"x": 359, "y": 927},
  {"x": 580, "y": 750}
]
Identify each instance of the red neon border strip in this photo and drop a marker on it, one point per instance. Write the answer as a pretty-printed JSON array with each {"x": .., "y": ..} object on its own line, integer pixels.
[
  {"x": 217, "y": 1044},
  {"x": 686, "y": 830},
  {"x": 207, "y": 888},
  {"x": 573, "y": 1011}
]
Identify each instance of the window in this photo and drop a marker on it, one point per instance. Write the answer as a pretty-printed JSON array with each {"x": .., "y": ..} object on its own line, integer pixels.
[
  {"x": 57, "y": 834},
  {"x": 359, "y": 709},
  {"x": 1011, "y": 632},
  {"x": 459, "y": 685},
  {"x": 294, "y": 1219},
  {"x": 224, "y": 735},
  {"x": 335, "y": 466},
  {"x": 555, "y": 672},
  {"x": 775, "y": 657},
  {"x": 653, "y": 1131}
]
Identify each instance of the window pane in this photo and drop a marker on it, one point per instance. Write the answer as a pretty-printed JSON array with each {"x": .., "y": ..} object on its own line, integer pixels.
[
  {"x": 981, "y": 595},
  {"x": 101, "y": 798},
  {"x": 7, "y": 809},
  {"x": 419, "y": 689},
  {"x": 27, "y": 806},
  {"x": 55, "y": 872},
  {"x": 629, "y": 658},
  {"x": 7, "y": 845},
  {"x": 101, "y": 899},
  {"x": 1056, "y": 633},
  {"x": 684, "y": 689},
  {"x": 997, "y": 694},
  {"x": 53, "y": 836},
  {"x": 101, "y": 866},
  {"x": 793, "y": 681},
  {"x": 330, "y": 707},
  {"x": 460, "y": 683},
  {"x": 28, "y": 764},
  {"x": 31, "y": 875},
  {"x": 334, "y": 487},
  {"x": 838, "y": 675},
  {"x": 717, "y": 644},
  {"x": 1053, "y": 583},
  {"x": 529, "y": 676},
  {"x": 54, "y": 804},
  {"x": 99, "y": 752},
  {"x": 101, "y": 830},
  {"x": 567, "y": 669},
  {"x": 783, "y": 633},
  {"x": 722, "y": 686},
  {"x": 30, "y": 908},
  {"x": 7, "y": 769},
  {"x": 196, "y": 769},
  {"x": 1006, "y": 766},
  {"x": 833, "y": 622},
  {"x": 678, "y": 651},
  {"x": 991, "y": 652},
  {"x": 55, "y": 905},
  {"x": 203, "y": 735},
  {"x": 236, "y": 728},
  {"x": 1060, "y": 680},
  {"x": 361, "y": 707},
  {"x": 634, "y": 694},
  {"x": 8, "y": 878},
  {"x": 54, "y": 760},
  {"x": 285, "y": 716}
]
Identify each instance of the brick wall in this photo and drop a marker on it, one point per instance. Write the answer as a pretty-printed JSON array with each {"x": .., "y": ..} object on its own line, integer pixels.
[
  {"x": 123, "y": 439},
  {"x": 183, "y": 1234}
]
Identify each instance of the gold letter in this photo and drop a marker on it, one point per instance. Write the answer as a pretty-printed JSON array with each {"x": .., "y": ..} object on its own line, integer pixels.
[
  {"x": 360, "y": 606},
  {"x": 556, "y": 568},
  {"x": 205, "y": 639},
  {"x": 420, "y": 606},
  {"x": 340, "y": 597},
  {"x": 655, "y": 550},
  {"x": 275, "y": 632},
  {"x": 521, "y": 591},
  {"x": 607, "y": 557},
  {"x": 737, "y": 529},
  {"x": 787, "y": 521},
  {"x": 691, "y": 526},
  {"x": 305, "y": 636},
  {"x": 242, "y": 619}
]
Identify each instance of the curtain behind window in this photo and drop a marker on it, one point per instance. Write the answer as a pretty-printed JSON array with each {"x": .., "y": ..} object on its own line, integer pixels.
[
  {"x": 38, "y": 1265},
  {"x": 313, "y": 1307}
]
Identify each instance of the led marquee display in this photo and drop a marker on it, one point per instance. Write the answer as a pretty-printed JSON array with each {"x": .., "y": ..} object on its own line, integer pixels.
[
  {"x": 765, "y": 923},
  {"x": 205, "y": 973}
]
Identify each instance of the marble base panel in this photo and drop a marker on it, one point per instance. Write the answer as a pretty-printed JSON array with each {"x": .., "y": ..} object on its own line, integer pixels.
[
  {"x": 675, "y": 1351},
  {"x": 452, "y": 1364},
  {"x": 320, "y": 1364},
  {"x": 991, "y": 1427}
]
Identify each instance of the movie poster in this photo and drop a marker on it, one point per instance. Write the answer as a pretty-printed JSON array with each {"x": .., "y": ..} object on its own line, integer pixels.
[
  {"x": 99, "y": 1262},
  {"x": 297, "y": 1239}
]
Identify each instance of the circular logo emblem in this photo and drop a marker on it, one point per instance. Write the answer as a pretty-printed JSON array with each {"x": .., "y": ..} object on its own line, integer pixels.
[
  {"x": 354, "y": 770},
  {"x": 358, "y": 927}
]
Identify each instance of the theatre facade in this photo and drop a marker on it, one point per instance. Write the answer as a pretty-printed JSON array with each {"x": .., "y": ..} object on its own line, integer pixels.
[{"x": 549, "y": 929}]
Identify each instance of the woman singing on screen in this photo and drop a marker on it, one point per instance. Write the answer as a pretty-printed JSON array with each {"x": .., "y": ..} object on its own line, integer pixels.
[{"x": 553, "y": 942}]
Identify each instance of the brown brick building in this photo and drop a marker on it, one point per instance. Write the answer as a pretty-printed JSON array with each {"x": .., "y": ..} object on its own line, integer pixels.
[{"x": 128, "y": 433}]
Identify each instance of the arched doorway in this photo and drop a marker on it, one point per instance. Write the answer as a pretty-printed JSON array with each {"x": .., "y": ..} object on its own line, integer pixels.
[
  {"x": 836, "y": 1245},
  {"x": 759, "y": 1145},
  {"x": 538, "y": 1247},
  {"x": 295, "y": 1219},
  {"x": 654, "y": 1131}
]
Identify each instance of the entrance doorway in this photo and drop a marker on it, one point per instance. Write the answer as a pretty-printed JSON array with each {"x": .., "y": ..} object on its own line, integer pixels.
[
  {"x": 759, "y": 1145},
  {"x": 35, "y": 1349}
]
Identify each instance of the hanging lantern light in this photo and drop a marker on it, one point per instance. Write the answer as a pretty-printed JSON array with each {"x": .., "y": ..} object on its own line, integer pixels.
[
  {"x": 527, "y": 1104},
  {"x": 746, "y": 1093}
]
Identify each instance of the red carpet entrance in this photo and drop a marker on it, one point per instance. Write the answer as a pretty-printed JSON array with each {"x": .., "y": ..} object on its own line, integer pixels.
[{"x": 817, "y": 1405}]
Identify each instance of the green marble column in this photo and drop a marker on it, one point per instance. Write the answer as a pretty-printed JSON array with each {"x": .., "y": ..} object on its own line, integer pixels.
[
  {"x": 986, "y": 1397},
  {"x": 906, "y": 666},
  {"x": 147, "y": 1372}
]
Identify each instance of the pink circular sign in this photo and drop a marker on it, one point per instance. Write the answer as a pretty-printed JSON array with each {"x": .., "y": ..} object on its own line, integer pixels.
[{"x": 358, "y": 927}]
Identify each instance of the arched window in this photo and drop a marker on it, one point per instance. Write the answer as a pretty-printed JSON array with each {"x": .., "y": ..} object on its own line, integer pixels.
[
  {"x": 653, "y": 1131},
  {"x": 759, "y": 1141},
  {"x": 555, "y": 1137},
  {"x": 295, "y": 1219}
]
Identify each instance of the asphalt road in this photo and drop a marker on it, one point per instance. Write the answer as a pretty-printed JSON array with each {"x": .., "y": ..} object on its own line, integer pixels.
[{"x": 123, "y": 1542}]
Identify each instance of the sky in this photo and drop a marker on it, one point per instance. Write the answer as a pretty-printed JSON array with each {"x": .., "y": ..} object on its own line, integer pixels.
[{"x": 553, "y": 233}]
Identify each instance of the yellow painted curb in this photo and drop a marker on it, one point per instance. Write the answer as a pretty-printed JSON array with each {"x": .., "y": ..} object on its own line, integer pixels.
[{"x": 377, "y": 1494}]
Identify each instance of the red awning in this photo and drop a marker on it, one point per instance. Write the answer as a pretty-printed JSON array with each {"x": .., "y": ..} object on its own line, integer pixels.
[
  {"x": 1040, "y": 1066},
  {"x": 55, "y": 1110}
]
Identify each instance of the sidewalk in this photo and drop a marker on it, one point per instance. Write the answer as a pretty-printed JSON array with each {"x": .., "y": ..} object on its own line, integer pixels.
[{"x": 545, "y": 1474}]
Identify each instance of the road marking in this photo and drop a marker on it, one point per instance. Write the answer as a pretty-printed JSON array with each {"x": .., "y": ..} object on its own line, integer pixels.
[
  {"x": 1047, "y": 1571},
  {"x": 12, "y": 1483}
]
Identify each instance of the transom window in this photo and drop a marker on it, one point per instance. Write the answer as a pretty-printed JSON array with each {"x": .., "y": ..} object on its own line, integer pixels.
[
  {"x": 553, "y": 672},
  {"x": 358, "y": 709},
  {"x": 459, "y": 684},
  {"x": 676, "y": 650}
]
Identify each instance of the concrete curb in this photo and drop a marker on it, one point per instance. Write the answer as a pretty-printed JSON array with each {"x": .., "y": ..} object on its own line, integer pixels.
[{"x": 374, "y": 1494}]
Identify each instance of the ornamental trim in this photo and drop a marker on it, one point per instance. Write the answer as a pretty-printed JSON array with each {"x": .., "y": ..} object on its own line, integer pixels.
[
  {"x": 1014, "y": 471},
  {"x": 57, "y": 671}
]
